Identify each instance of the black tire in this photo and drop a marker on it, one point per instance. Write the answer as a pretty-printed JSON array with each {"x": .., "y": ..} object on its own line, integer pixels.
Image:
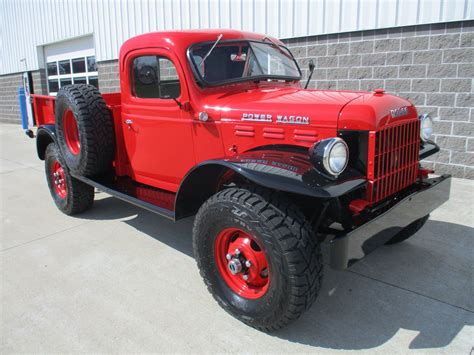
[
  {"x": 95, "y": 130},
  {"x": 79, "y": 197},
  {"x": 293, "y": 254},
  {"x": 408, "y": 231}
]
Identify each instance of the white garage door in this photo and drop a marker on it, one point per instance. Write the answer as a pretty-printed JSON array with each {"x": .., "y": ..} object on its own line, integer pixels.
[{"x": 70, "y": 62}]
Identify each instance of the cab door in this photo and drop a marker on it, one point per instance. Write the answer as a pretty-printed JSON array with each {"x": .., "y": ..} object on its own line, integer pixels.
[{"x": 157, "y": 132}]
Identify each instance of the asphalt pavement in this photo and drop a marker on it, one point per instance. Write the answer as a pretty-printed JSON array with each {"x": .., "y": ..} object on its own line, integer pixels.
[{"x": 120, "y": 279}]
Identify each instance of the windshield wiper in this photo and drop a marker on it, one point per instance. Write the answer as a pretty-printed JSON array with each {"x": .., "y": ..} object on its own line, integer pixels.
[
  {"x": 278, "y": 47},
  {"x": 210, "y": 50}
]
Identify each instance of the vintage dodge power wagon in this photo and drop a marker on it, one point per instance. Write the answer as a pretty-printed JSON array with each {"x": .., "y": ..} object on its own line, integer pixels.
[{"x": 216, "y": 124}]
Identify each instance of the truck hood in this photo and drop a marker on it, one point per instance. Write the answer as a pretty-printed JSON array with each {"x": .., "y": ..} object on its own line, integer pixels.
[
  {"x": 284, "y": 106},
  {"x": 373, "y": 111}
]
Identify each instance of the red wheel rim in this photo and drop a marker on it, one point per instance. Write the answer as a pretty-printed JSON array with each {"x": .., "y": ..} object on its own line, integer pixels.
[
  {"x": 235, "y": 249},
  {"x": 71, "y": 132},
  {"x": 59, "y": 180}
]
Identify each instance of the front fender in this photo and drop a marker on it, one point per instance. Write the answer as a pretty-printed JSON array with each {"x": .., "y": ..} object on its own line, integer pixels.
[
  {"x": 277, "y": 169},
  {"x": 45, "y": 135}
]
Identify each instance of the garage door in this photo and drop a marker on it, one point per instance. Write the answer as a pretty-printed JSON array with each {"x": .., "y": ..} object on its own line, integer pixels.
[{"x": 70, "y": 62}]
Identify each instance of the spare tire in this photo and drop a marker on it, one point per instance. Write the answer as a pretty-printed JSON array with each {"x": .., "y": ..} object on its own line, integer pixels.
[{"x": 85, "y": 130}]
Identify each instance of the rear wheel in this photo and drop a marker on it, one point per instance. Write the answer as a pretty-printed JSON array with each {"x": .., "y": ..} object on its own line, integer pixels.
[
  {"x": 258, "y": 256},
  {"x": 70, "y": 195},
  {"x": 408, "y": 231}
]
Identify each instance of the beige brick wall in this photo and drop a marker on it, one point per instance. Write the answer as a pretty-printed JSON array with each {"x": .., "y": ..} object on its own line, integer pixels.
[
  {"x": 109, "y": 78},
  {"x": 9, "y": 107}
]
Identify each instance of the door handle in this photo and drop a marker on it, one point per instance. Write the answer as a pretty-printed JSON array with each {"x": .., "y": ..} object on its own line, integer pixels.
[{"x": 129, "y": 122}]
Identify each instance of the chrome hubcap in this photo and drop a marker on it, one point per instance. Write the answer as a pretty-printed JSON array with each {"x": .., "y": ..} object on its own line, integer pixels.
[{"x": 235, "y": 266}]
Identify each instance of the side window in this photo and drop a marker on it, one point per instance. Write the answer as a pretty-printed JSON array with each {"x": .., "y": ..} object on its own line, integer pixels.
[
  {"x": 155, "y": 77},
  {"x": 168, "y": 79}
]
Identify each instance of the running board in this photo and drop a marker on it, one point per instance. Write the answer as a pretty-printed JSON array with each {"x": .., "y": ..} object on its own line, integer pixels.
[{"x": 152, "y": 199}]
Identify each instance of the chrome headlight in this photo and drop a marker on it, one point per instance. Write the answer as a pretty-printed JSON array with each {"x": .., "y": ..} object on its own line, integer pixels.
[
  {"x": 330, "y": 155},
  {"x": 426, "y": 127}
]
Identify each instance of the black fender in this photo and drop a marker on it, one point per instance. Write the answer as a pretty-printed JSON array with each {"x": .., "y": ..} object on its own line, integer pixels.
[
  {"x": 277, "y": 169},
  {"x": 45, "y": 135}
]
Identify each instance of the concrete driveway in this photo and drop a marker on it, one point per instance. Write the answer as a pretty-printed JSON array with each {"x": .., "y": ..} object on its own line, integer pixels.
[{"x": 120, "y": 279}]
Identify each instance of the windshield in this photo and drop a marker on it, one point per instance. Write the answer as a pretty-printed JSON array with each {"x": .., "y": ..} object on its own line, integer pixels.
[{"x": 242, "y": 60}]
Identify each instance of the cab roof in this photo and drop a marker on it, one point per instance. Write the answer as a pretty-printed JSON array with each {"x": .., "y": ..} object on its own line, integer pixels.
[{"x": 180, "y": 41}]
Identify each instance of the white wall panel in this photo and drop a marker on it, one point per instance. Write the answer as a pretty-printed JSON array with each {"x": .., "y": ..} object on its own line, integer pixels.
[
  {"x": 214, "y": 14},
  {"x": 367, "y": 14},
  {"x": 248, "y": 20},
  {"x": 331, "y": 15},
  {"x": 429, "y": 10},
  {"x": 224, "y": 14},
  {"x": 407, "y": 12},
  {"x": 349, "y": 16},
  {"x": 260, "y": 17},
  {"x": 271, "y": 18},
  {"x": 235, "y": 14},
  {"x": 454, "y": 9},
  {"x": 286, "y": 18},
  {"x": 27, "y": 25},
  {"x": 300, "y": 17}
]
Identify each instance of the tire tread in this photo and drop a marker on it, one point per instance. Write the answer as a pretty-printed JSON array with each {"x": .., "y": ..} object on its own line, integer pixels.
[
  {"x": 81, "y": 195},
  {"x": 293, "y": 234},
  {"x": 94, "y": 119}
]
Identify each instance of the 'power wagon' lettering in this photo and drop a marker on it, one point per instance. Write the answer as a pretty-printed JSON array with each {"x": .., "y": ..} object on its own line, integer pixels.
[
  {"x": 263, "y": 117},
  {"x": 293, "y": 119}
]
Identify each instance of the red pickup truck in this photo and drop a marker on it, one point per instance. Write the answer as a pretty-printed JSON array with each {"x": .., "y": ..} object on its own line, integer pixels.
[{"x": 216, "y": 123}]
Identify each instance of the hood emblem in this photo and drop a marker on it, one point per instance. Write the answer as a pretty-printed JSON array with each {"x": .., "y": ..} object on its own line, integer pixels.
[
  {"x": 283, "y": 119},
  {"x": 402, "y": 111}
]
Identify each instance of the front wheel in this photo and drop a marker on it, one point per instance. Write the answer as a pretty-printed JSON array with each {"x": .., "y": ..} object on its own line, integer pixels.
[
  {"x": 258, "y": 256},
  {"x": 70, "y": 195}
]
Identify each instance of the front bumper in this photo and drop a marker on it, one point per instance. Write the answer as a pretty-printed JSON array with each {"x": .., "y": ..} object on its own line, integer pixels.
[{"x": 348, "y": 248}]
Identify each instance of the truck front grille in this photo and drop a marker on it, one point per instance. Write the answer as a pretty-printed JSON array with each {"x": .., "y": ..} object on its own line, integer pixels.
[{"x": 395, "y": 152}]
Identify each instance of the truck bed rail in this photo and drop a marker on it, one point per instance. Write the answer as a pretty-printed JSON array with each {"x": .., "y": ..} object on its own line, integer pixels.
[{"x": 44, "y": 106}]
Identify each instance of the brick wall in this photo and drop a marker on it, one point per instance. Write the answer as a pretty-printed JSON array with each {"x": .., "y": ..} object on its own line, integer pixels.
[
  {"x": 109, "y": 78},
  {"x": 431, "y": 65},
  {"x": 40, "y": 84},
  {"x": 9, "y": 107}
]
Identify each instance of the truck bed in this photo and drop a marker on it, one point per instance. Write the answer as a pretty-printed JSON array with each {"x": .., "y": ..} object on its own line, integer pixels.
[{"x": 44, "y": 105}]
